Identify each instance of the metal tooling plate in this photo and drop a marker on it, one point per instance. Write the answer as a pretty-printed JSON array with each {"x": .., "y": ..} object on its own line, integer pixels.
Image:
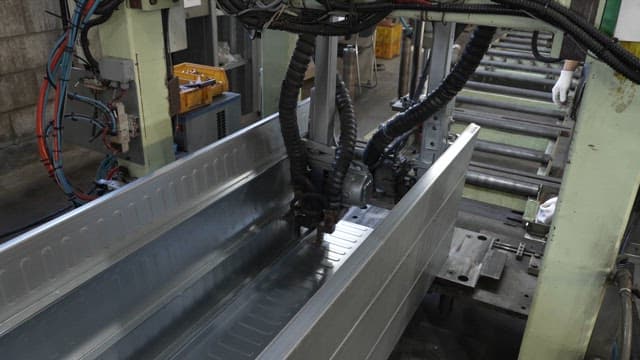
[
  {"x": 493, "y": 277},
  {"x": 41, "y": 266},
  {"x": 363, "y": 309}
]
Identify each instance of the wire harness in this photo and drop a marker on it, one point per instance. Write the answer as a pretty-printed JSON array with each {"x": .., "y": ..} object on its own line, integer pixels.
[{"x": 49, "y": 122}]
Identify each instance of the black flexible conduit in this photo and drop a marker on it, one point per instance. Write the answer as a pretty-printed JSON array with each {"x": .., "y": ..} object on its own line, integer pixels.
[
  {"x": 106, "y": 11},
  {"x": 536, "y": 51},
  {"x": 605, "y": 48},
  {"x": 452, "y": 84},
  {"x": 288, "y": 104},
  {"x": 346, "y": 146}
]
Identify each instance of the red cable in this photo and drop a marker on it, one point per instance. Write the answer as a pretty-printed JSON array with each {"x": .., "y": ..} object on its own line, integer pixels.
[{"x": 112, "y": 172}]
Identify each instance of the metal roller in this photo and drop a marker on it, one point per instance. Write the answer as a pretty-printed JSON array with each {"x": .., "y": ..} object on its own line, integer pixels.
[
  {"x": 502, "y": 184},
  {"x": 492, "y": 122},
  {"x": 507, "y": 90},
  {"x": 525, "y": 68},
  {"x": 511, "y": 77},
  {"x": 511, "y": 54},
  {"x": 557, "y": 114}
]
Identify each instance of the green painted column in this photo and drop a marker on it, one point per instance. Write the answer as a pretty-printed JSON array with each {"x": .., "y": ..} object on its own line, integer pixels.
[
  {"x": 137, "y": 35},
  {"x": 597, "y": 194}
]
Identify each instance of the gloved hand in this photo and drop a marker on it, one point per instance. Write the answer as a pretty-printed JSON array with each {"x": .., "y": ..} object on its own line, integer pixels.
[
  {"x": 562, "y": 87},
  {"x": 546, "y": 211}
]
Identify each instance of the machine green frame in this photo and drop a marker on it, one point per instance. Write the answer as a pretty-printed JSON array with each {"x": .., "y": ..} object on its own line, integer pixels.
[{"x": 140, "y": 39}]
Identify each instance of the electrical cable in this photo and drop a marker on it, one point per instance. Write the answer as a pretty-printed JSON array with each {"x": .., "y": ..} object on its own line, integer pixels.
[
  {"x": 59, "y": 67},
  {"x": 446, "y": 91},
  {"x": 605, "y": 48},
  {"x": 107, "y": 11},
  {"x": 536, "y": 51}
]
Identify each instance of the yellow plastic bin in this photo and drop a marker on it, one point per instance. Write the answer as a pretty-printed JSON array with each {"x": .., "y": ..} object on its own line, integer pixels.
[
  {"x": 194, "y": 90},
  {"x": 388, "y": 40}
]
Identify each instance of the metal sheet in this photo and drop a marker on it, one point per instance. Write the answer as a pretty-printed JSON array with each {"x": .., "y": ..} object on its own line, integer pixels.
[
  {"x": 137, "y": 301},
  {"x": 363, "y": 309},
  {"x": 41, "y": 266}
]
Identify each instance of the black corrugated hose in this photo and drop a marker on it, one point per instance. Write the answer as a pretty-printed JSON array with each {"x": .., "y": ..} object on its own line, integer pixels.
[
  {"x": 605, "y": 48},
  {"x": 288, "y": 104},
  {"x": 536, "y": 51},
  {"x": 346, "y": 146},
  {"x": 106, "y": 11},
  {"x": 452, "y": 84}
]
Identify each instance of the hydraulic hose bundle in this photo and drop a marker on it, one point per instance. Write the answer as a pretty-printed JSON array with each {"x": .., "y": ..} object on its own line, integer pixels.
[
  {"x": 58, "y": 73},
  {"x": 448, "y": 89},
  {"x": 359, "y": 16},
  {"x": 313, "y": 204}
]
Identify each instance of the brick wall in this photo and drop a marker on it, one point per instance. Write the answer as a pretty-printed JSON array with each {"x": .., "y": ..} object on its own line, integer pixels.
[{"x": 27, "y": 35}]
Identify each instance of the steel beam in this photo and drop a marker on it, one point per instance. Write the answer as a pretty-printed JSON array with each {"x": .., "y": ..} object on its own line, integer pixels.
[
  {"x": 361, "y": 312},
  {"x": 42, "y": 266}
]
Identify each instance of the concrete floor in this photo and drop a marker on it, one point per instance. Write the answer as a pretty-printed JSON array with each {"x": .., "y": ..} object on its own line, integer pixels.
[{"x": 373, "y": 105}]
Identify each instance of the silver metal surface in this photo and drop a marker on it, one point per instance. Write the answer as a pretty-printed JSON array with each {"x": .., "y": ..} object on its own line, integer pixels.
[
  {"x": 40, "y": 267},
  {"x": 434, "y": 138},
  {"x": 363, "y": 309},
  {"x": 129, "y": 307},
  {"x": 418, "y": 43},
  {"x": 324, "y": 95},
  {"x": 350, "y": 70}
]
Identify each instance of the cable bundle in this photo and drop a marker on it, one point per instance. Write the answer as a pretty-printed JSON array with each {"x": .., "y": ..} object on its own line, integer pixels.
[{"x": 58, "y": 73}]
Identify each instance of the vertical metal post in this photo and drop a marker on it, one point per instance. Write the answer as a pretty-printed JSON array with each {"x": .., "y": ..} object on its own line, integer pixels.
[
  {"x": 214, "y": 31},
  {"x": 418, "y": 42},
  {"x": 256, "y": 76},
  {"x": 405, "y": 67},
  {"x": 323, "y": 107},
  {"x": 436, "y": 128},
  {"x": 598, "y": 190}
]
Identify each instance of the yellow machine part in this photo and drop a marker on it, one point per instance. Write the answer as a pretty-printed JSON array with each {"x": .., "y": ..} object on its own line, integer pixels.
[{"x": 189, "y": 73}]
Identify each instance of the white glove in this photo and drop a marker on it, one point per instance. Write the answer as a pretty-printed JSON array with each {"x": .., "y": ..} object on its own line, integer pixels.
[
  {"x": 562, "y": 87},
  {"x": 546, "y": 211}
]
